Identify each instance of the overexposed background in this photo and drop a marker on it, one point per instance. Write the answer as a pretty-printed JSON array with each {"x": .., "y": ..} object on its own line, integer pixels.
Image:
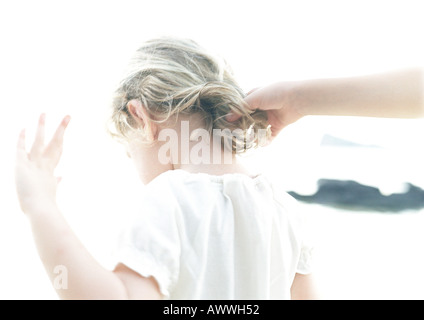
[{"x": 65, "y": 58}]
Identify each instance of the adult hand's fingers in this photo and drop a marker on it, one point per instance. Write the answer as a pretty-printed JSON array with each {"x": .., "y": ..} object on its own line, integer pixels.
[
  {"x": 231, "y": 117},
  {"x": 253, "y": 90},
  {"x": 38, "y": 145},
  {"x": 254, "y": 98},
  {"x": 54, "y": 148}
]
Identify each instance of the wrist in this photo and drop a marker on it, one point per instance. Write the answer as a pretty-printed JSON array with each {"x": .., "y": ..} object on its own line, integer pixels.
[{"x": 298, "y": 98}]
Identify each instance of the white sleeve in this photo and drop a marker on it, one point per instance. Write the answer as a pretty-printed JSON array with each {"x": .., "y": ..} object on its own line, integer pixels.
[
  {"x": 305, "y": 263},
  {"x": 304, "y": 266},
  {"x": 150, "y": 245}
]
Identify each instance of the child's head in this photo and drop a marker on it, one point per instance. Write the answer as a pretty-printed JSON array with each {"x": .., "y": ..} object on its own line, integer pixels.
[{"x": 169, "y": 77}]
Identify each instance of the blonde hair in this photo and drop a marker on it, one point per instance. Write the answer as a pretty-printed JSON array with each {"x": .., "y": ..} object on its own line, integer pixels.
[{"x": 171, "y": 76}]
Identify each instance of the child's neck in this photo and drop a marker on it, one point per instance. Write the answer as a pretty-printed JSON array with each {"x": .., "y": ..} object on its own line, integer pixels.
[
  {"x": 214, "y": 162},
  {"x": 215, "y": 169},
  {"x": 200, "y": 152},
  {"x": 183, "y": 146}
]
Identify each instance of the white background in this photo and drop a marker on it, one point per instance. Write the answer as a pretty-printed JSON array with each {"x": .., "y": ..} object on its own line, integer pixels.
[{"x": 64, "y": 57}]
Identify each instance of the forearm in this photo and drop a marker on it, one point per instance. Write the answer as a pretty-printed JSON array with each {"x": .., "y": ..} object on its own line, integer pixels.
[
  {"x": 74, "y": 273},
  {"x": 391, "y": 95}
]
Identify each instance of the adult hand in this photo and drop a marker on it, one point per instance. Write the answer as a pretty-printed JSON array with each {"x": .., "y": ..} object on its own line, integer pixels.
[{"x": 278, "y": 101}]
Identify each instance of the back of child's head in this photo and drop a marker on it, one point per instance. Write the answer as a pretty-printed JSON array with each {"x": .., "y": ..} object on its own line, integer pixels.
[{"x": 172, "y": 76}]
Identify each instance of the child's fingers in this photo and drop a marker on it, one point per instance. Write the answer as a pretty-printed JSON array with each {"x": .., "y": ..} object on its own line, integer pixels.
[
  {"x": 38, "y": 144},
  {"x": 54, "y": 148},
  {"x": 20, "y": 149}
]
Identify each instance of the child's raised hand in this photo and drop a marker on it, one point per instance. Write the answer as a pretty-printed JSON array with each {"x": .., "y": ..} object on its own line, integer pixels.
[{"x": 34, "y": 172}]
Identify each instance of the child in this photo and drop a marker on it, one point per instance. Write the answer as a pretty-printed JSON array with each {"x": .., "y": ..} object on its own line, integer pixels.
[{"x": 209, "y": 228}]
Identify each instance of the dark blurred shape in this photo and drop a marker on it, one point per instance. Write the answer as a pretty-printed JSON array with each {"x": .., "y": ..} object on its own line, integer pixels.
[{"x": 351, "y": 195}]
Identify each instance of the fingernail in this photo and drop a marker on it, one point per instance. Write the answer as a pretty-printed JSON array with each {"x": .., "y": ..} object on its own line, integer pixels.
[{"x": 231, "y": 117}]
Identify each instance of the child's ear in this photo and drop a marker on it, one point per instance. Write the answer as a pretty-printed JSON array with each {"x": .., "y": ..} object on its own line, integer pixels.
[{"x": 140, "y": 115}]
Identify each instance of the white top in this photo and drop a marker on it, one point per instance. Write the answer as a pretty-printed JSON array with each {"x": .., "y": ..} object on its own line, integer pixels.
[{"x": 216, "y": 237}]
